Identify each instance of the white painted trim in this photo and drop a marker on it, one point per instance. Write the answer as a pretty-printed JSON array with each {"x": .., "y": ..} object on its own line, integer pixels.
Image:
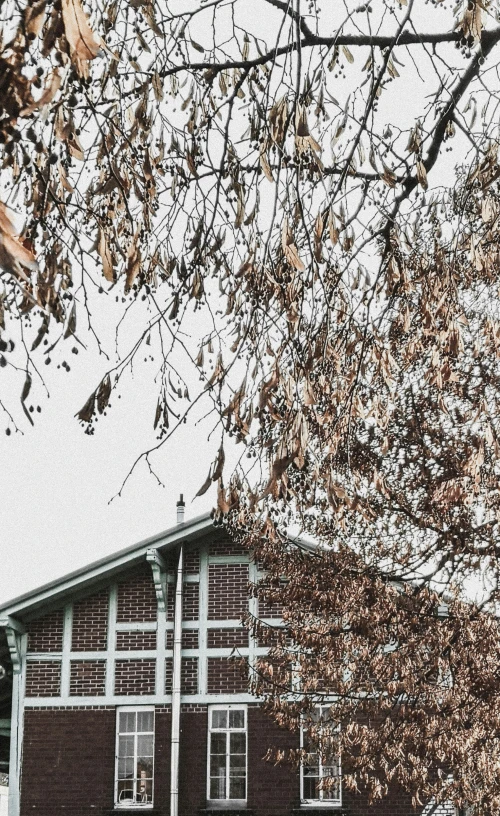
[
  {"x": 111, "y": 642},
  {"x": 136, "y": 700},
  {"x": 66, "y": 650},
  {"x": 159, "y": 569},
  {"x": 135, "y": 805},
  {"x": 320, "y": 803},
  {"x": 226, "y": 801},
  {"x": 202, "y": 622},
  {"x": 176, "y": 686},
  {"x": 253, "y": 608},
  {"x": 229, "y": 559},
  {"x": 17, "y": 728},
  {"x": 148, "y": 654},
  {"x": 233, "y": 623},
  {"x": 135, "y": 626}
]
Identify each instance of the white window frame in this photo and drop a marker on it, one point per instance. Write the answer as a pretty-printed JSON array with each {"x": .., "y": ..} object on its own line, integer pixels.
[
  {"x": 132, "y": 803},
  {"x": 320, "y": 801},
  {"x": 227, "y": 803}
]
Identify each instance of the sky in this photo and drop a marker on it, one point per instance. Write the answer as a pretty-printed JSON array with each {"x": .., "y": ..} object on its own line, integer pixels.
[
  {"x": 59, "y": 507},
  {"x": 57, "y": 484}
]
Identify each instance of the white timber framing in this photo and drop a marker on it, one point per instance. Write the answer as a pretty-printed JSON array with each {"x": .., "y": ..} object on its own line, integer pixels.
[
  {"x": 111, "y": 641},
  {"x": 17, "y": 726},
  {"x": 161, "y": 626},
  {"x": 202, "y": 623},
  {"x": 14, "y": 629},
  {"x": 66, "y": 650},
  {"x": 159, "y": 570}
]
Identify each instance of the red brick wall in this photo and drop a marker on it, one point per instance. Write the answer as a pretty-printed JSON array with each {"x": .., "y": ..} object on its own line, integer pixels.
[
  {"x": 135, "y": 676},
  {"x": 190, "y": 602},
  {"x": 90, "y": 623},
  {"x": 227, "y": 638},
  {"x": 68, "y": 762},
  {"x": 87, "y": 678},
  {"x": 273, "y": 790},
  {"x": 227, "y": 591},
  {"x": 189, "y": 639},
  {"x": 193, "y": 758},
  {"x": 170, "y": 600},
  {"x": 189, "y": 675},
  {"x": 137, "y": 598},
  {"x": 135, "y": 641},
  {"x": 224, "y": 546},
  {"x": 226, "y": 676},
  {"x": 46, "y": 634},
  {"x": 43, "y": 678},
  {"x": 192, "y": 562}
]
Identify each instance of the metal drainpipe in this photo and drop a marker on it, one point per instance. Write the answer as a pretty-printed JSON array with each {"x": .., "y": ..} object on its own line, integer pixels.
[{"x": 176, "y": 690}]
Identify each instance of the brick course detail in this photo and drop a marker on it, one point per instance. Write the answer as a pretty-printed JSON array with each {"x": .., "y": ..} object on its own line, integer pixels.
[
  {"x": 224, "y": 546},
  {"x": 135, "y": 641},
  {"x": 43, "y": 678},
  {"x": 191, "y": 602},
  {"x": 192, "y": 562},
  {"x": 135, "y": 677},
  {"x": 90, "y": 623},
  {"x": 137, "y": 598},
  {"x": 189, "y": 675},
  {"x": 87, "y": 678},
  {"x": 227, "y": 675},
  {"x": 227, "y": 591},
  {"x": 189, "y": 639},
  {"x": 227, "y": 638},
  {"x": 46, "y": 634}
]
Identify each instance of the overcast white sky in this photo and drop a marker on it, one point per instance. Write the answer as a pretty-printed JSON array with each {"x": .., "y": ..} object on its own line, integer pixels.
[{"x": 56, "y": 482}]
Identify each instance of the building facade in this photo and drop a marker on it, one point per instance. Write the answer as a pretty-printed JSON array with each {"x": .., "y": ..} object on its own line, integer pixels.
[{"x": 129, "y": 692}]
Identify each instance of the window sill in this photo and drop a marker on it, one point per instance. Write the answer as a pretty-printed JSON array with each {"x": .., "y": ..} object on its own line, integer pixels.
[
  {"x": 319, "y": 808},
  {"x": 227, "y": 810}
]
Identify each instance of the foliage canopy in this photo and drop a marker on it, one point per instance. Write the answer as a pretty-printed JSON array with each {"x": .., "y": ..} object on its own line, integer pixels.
[{"x": 330, "y": 176}]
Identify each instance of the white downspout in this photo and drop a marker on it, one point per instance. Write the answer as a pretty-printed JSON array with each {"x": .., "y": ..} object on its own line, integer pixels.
[{"x": 176, "y": 689}]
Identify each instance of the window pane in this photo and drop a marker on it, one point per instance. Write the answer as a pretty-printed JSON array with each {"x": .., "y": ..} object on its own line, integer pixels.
[
  {"x": 144, "y": 790},
  {"x": 237, "y": 787},
  {"x": 217, "y": 764},
  {"x": 238, "y": 743},
  {"x": 218, "y": 786},
  {"x": 134, "y": 766},
  {"x": 125, "y": 791},
  {"x": 145, "y": 746},
  {"x": 127, "y": 722},
  {"x": 219, "y": 719},
  {"x": 218, "y": 744},
  {"x": 237, "y": 766},
  {"x": 126, "y": 746},
  {"x": 145, "y": 721},
  {"x": 332, "y": 792},
  {"x": 145, "y": 767},
  {"x": 311, "y": 787},
  {"x": 126, "y": 768},
  {"x": 237, "y": 718}
]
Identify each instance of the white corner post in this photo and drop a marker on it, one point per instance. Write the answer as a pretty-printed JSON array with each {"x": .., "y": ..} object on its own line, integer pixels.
[
  {"x": 176, "y": 688},
  {"x": 16, "y": 639}
]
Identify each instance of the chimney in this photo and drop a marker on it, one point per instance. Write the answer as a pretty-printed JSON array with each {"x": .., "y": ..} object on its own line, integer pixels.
[{"x": 180, "y": 510}]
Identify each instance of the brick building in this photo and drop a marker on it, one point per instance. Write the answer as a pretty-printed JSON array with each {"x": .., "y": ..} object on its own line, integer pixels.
[{"x": 121, "y": 692}]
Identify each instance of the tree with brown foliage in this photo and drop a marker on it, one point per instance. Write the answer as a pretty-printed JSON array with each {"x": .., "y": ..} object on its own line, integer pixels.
[{"x": 309, "y": 196}]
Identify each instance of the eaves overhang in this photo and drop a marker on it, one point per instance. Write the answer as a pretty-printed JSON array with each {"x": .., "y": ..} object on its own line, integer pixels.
[{"x": 105, "y": 568}]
